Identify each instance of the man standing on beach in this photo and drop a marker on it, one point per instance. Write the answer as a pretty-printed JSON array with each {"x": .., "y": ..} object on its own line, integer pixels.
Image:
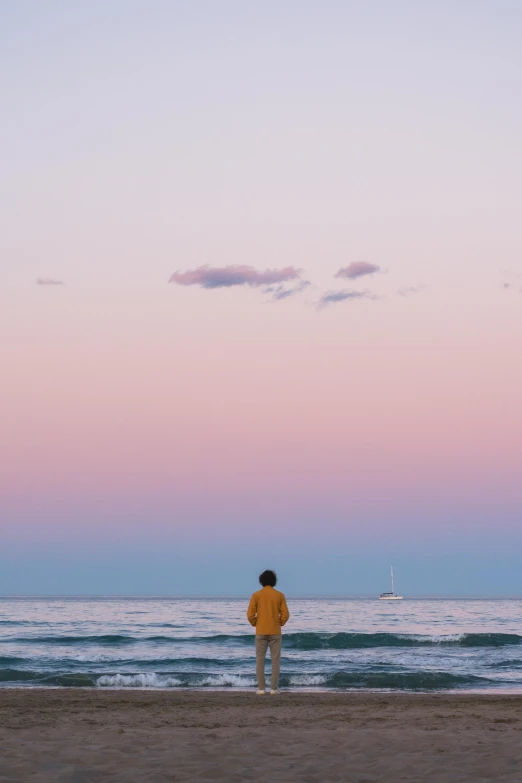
[{"x": 268, "y": 612}]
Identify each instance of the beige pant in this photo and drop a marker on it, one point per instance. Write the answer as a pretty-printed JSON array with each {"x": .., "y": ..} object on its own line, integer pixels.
[{"x": 263, "y": 641}]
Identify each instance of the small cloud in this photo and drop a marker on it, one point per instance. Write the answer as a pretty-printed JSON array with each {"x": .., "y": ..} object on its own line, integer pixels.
[
  {"x": 358, "y": 269},
  {"x": 332, "y": 297},
  {"x": 281, "y": 292},
  {"x": 408, "y": 290},
  {"x": 235, "y": 275},
  {"x": 49, "y": 281},
  {"x": 512, "y": 279}
]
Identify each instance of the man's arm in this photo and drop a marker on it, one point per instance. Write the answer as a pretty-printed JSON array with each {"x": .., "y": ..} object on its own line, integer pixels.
[
  {"x": 283, "y": 610},
  {"x": 252, "y": 611}
]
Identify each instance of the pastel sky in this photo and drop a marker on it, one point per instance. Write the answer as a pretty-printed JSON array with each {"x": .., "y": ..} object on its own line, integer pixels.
[{"x": 261, "y": 296}]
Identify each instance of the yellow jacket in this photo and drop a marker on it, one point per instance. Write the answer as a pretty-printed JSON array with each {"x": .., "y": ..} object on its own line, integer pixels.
[{"x": 268, "y": 611}]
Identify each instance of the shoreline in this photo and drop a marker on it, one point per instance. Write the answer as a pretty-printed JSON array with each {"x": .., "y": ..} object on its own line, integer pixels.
[
  {"x": 196, "y": 693},
  {"x": 59, "y": 735},
  {"x": 486, "y": 692}
]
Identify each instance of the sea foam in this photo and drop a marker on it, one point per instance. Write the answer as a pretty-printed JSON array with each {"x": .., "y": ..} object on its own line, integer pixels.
[{"x": 142, "y": 680}]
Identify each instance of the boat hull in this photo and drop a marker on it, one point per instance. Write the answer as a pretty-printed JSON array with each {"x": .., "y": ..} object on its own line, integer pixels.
[{"x": 390, "y": 598}]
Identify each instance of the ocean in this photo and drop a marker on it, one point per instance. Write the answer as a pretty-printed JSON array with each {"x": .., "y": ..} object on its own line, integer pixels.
[{"x": 339, "y": 644}]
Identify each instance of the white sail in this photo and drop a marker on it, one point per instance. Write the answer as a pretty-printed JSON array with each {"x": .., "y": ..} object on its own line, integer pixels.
[{"x": 390, "y": 596}]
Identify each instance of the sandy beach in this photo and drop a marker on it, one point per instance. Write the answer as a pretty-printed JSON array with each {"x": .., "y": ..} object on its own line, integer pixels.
[{"x": 81, "y": 736}]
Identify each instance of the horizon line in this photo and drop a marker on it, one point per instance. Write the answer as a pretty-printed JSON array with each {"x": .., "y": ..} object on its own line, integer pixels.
[{"x": 245, "y": 596}]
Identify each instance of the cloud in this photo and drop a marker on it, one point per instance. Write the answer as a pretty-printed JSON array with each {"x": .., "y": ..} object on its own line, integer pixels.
[
  {"x": 332, "y": 297},
  {"x": 407, "y": 290},
  {"x": 281, "y": 292},
  {"x": 49, "y": 281},
  {"x": 238, "y": 275},
  {"x": 358, "y": 269},
  {"x": 512, "y": 280}
]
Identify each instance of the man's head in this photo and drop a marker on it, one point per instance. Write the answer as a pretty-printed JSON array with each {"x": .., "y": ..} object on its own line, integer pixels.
[{"x": 268, "y": 579}]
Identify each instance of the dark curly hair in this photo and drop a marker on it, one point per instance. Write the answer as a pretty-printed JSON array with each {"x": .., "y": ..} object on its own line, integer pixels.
[{"x": 268, "y": 578}]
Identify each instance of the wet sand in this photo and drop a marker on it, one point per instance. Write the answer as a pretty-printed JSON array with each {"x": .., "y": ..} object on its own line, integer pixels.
[{"x": 85, "y": 736}]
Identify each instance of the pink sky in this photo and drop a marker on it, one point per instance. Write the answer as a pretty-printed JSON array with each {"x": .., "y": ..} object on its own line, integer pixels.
[{"x": 334, "y": 196}]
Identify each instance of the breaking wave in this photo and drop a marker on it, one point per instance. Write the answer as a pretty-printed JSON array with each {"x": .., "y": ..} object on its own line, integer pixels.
[
  {"x": 142, "y": 680},
  {"x": 349, "y": 641},
  {"x": 339, "y": 680},
  {"x": 297, "y": 641}
]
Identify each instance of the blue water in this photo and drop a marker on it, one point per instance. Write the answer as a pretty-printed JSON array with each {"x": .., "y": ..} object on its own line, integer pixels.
[{"x": 207, "y": 643}]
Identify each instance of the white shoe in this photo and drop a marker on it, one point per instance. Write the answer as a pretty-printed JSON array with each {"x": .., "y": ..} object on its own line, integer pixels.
[
  {"x": 260, "y": 693},
  {"x": 274, "y": 693}
]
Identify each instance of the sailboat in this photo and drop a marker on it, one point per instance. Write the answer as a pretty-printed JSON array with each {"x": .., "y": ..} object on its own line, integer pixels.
[{"x": 390, "y": 596}]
